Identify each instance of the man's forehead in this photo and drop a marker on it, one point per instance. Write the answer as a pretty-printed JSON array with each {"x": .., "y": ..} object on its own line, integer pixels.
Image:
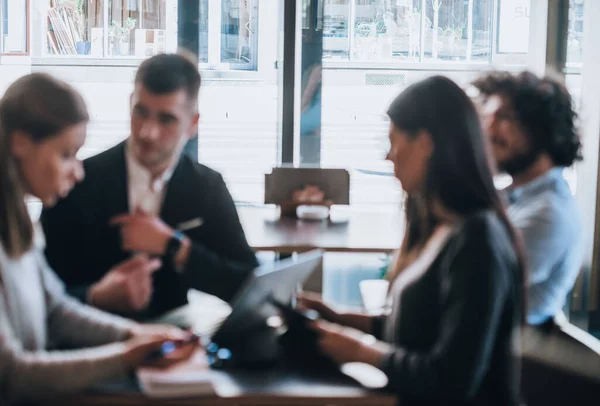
[
  {"x": 178, "y": 96},
  {"x": 493, "y": 103}
]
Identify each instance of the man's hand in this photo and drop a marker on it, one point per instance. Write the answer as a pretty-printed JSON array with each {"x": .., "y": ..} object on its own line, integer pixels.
[
  {"x": 126, "y": 288},
  {"x": 142, "y": 232}
]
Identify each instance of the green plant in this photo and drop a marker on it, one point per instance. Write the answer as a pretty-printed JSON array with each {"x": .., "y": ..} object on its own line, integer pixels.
[
  {"x": 117, "y": 32},
  {"x": 385, "y": 266}
]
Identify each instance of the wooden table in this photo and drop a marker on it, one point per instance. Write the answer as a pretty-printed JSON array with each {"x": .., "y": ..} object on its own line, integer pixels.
[
  {"x": 278, "y": 386},
  {"x": 350, "y": 231}
]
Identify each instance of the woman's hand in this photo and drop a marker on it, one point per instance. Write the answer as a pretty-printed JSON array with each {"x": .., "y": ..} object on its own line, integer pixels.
[
  {"x": 344, "y": 344},
  {"x": 313, "y": 301},
  {"x": 146, "y": 340}
]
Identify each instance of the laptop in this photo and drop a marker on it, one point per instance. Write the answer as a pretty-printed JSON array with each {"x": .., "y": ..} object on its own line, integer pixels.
[{"x": 244, "y": 331}]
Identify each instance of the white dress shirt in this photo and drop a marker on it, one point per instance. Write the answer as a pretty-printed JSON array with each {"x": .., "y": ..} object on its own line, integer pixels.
[{"x": 145, "y": 192}]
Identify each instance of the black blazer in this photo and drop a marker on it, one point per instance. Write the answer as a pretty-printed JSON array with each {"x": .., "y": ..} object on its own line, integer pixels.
[
  {"x": 456, "y": 331},
  {"x": 82, "y": 246}
]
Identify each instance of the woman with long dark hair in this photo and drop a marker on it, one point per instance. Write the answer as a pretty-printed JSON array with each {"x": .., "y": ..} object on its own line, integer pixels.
[
  {"x": 457, "y": 283},
  {"x": 42, "y": 126}
]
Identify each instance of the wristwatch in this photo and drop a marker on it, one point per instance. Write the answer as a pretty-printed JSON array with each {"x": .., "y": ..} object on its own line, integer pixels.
[{"x": 174, "y": 245}]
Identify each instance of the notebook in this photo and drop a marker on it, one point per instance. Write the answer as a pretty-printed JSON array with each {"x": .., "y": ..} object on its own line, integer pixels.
[{"x": 192, "y": 378}]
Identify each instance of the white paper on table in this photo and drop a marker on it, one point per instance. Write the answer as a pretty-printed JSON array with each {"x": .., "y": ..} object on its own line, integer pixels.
[{"x": 190, "y": 378}]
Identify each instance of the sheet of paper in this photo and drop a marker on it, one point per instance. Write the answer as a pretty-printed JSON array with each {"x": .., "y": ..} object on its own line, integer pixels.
[{"x": 190, "y": 378}]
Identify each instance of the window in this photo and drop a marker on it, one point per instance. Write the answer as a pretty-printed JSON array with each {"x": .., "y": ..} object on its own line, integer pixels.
[
  {"x": 14, "y": 25},
  {"x": 229, "y": 34},
  {"x": 386, "y": 30},
  {"x": 513, "y": 26},
  {"x": 109, "y": 28},
  {"x": 575, "y": 36},
  {"x": 573, "y": 70},
  {"x": 373, "y": 49},
  {"x": 238, "y": 134}
]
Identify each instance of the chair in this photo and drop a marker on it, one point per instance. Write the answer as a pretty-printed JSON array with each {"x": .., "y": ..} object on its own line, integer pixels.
[
  {"x": 561, "y": 365},
  {"x": 282, "y": 182}
]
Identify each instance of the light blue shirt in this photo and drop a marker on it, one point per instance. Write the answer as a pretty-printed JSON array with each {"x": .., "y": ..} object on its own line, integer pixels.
[{"x": 546, "y": 214}]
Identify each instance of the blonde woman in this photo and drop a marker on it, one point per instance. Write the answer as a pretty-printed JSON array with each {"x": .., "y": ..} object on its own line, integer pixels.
[{"x": 42, "y": 126}]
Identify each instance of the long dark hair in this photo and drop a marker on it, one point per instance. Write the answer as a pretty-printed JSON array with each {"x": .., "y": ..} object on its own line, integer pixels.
[
  {"x": 41, "y": 107},
  {"x": 459, "y": 173}
]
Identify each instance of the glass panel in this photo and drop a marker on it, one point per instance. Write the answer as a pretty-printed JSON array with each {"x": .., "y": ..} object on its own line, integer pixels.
[
  {"x": 238, "y": 133},
  {"x": 574, "y": 40},
  {"x": 336, "y": 40},
  {"x": 14, "y": 27},
  {"x": 481, "y": 48},
  {"x": 448, "y": 33},
  {"x": 311, "y": 84},
  {"x": 238, "y": 32},
  {"x": 385, "y": 29},
  {"x": 573, "y": 72},
  {"x": 203, "y": 51},
  {"x": 134, "y": 27},
  {"x": 75, "y": 27},
  {"x": 137, "y": 27},
  {"x": 513, "y": 26},
  {"x": 305, "y": 14}
]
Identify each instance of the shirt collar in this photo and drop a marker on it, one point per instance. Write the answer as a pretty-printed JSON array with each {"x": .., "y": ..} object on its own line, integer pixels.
[
  {"x": 140, "y": 174},
  {"x": 536, "y": 186}
]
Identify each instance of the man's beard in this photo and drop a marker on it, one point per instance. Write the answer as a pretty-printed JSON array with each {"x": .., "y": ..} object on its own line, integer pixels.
[{"x": 519, "y": 163}]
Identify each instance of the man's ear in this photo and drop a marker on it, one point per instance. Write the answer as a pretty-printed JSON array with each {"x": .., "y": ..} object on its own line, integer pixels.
[{"x": 194, "y": 126}]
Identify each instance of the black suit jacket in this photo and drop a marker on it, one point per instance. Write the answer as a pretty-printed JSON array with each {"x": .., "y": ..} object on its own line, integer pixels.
[
  {"x": 455, "y": 328},
  {"x": 82, "y": 246}
]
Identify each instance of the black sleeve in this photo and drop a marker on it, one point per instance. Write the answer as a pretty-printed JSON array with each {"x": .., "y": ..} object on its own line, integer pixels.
[
  {"x": 377, "y": 323},
  {"x": 475, "y": 287},
  {"x": 221, "y": 274},
  {"x": 62, "y": 226}
]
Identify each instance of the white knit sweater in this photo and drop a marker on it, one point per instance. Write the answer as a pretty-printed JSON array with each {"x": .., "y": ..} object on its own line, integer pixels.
[{"x": 36, "y": 316}]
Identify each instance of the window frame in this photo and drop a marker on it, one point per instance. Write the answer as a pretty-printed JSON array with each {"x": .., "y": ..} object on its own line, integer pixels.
[{"x": 27, "y": 12}]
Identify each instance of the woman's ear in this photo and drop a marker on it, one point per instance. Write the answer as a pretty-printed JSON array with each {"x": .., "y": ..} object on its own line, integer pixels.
[
  {"x": 425, "y": 143},
  {"x": 20, "y": 143}
]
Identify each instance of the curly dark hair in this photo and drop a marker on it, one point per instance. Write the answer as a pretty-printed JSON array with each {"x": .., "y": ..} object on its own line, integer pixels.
[{"x": 545, "y": 109}]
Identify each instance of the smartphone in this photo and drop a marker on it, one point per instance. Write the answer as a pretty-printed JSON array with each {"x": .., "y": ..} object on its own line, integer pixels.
[{"x": 169, "y": 346}]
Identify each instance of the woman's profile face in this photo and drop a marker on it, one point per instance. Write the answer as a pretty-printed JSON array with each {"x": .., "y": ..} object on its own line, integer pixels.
[
  {"x": 410, "y": 155},
  {"x": 49, "y": 168}
]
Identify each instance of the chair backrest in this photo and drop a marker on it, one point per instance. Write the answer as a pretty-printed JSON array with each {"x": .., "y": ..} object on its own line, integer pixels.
[
  {"x": 561, "y": 366},
  {"x": 281, "y": 183}
]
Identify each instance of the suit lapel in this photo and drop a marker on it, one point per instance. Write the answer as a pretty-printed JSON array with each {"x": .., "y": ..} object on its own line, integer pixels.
[
  {"x": 175, "y": 207},
  {"x": 116, "y": 193}
]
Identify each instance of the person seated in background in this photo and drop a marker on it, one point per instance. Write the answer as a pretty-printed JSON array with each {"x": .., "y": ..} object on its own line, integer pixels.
[
  {"x": 146, "y": 196},
  {"x": 457, "y": 285},
  {"x": 531, "y": 125},
  {"x": 42, "y": 125}
]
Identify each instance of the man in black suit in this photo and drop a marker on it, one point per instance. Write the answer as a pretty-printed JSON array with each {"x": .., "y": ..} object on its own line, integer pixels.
[{"x": 148, "y": 223}]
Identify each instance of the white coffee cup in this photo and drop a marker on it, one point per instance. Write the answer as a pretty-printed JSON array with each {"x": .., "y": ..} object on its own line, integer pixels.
[{"x": 374, "y": 294}]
